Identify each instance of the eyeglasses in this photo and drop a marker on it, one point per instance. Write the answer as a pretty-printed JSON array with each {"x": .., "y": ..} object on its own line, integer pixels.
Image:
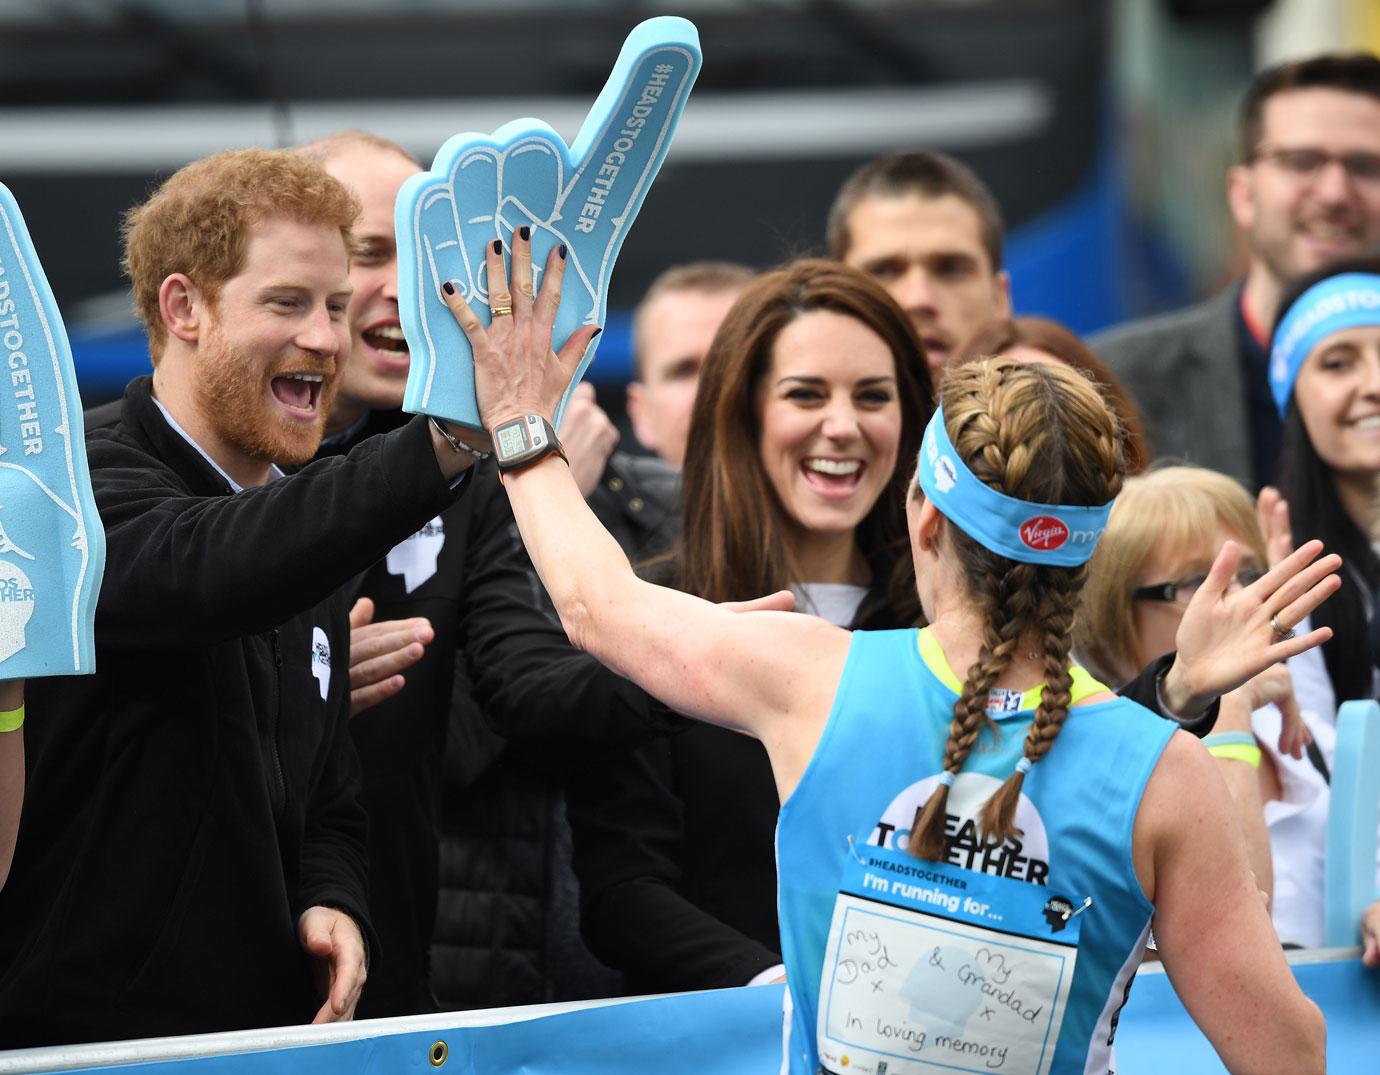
[
  {"x": 1181, "y": 591},
  {"x": 1305, "y": 163}
]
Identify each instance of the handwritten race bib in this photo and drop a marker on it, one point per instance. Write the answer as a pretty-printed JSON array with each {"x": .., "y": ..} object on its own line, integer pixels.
[{"x": 930, "y": 967}]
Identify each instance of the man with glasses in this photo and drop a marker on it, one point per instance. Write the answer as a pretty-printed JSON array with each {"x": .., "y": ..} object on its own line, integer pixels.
[{"x": 1305, "y": 191}]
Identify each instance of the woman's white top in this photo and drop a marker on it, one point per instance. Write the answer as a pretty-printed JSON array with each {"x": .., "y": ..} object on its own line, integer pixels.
[{"x": 836, "y": 602}]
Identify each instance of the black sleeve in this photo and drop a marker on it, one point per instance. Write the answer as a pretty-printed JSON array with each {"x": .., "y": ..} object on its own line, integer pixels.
[
  {"x": 334, "y": 870},
  {"x": 528, "y": 679},
  {"x": 1144, "y": 690},
  {"x": 627, "y": 824},
  {"x": 187, "y": 570}
]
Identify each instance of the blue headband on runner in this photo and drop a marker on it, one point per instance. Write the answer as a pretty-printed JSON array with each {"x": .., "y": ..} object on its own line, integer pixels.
[
  {"x": 1349, "y": 300},
  {"x": 1020, "y": 530}
]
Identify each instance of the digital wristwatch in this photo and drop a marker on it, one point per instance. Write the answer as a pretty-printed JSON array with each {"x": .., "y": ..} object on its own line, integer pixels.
[{"x": 523, "y": 441}]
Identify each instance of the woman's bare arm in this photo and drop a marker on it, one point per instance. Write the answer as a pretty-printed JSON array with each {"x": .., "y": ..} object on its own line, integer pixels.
[
  {"x": 1213, "y": 933},
  {"x": 771, "y": 674}
]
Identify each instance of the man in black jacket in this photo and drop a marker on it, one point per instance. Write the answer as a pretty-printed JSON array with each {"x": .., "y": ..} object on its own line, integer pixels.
[
  {"x": 499, "y": 694},
  {"x": 191, "y": 856}
]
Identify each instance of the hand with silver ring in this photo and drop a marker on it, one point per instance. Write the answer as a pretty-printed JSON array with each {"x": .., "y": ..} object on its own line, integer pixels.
[{"x": 1231, "y": 634}]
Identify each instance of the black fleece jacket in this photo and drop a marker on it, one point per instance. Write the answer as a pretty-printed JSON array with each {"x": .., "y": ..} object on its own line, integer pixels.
[
  {"x": 504, "y": 687},
  {"x": 191, "y": 799}
]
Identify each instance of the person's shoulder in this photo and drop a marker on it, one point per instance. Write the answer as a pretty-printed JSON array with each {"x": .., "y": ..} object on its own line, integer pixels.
[
  {"x": 645, "y": 475},
  {"x": 1176, "y": 325}
]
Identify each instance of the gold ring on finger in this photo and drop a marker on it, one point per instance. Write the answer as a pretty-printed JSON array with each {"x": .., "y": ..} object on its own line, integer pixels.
[
  {"x": 501, "y": 311},
  {"x": 1280, "y": 633}
]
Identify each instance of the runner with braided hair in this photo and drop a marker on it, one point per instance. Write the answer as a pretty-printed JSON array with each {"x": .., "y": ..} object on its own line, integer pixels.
[
  {"x": 1001, "y": 422},
  {"x": 1011, "y": 954}
]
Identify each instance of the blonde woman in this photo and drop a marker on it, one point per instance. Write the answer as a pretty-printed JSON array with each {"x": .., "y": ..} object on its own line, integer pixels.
[{"x": 864, "y": 729}]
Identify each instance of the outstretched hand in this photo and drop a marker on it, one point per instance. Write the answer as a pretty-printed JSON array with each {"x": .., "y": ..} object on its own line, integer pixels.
[
  {"x": 333, "y": 941},
  {"x": 379, "y": 652},
  {"x": 1227, "y": 637},
  {"x": 515, "y": 370}
]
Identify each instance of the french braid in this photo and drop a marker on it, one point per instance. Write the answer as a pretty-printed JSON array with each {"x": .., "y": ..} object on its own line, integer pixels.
[{"x": 1042, "y": 434}]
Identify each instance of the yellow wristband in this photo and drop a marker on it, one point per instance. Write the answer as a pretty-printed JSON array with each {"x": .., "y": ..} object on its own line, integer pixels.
[
  {"x": 1237, "y": 752},
  {"x": 13, "y": 720}
]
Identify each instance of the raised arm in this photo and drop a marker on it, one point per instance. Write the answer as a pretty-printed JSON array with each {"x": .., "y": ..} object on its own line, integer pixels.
[{"x": 765, "y": 673}]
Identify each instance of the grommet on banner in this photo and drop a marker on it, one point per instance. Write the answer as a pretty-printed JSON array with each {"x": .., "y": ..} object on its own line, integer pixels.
[{"x": 438, "y": 1053}]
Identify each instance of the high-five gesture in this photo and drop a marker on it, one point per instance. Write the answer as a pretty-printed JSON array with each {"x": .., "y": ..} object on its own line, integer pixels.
[
  {"x": 482, "y": 189},
  {"x": 516, "y": 371}
]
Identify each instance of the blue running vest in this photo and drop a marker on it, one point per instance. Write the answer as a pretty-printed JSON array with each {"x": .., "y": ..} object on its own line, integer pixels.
[{"x": 878, "y": 760}]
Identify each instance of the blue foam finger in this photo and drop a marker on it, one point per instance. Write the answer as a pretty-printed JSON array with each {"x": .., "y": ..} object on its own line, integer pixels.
[
  {"x": 52, "y": 545},
  {"x": 483, "y": 187}
]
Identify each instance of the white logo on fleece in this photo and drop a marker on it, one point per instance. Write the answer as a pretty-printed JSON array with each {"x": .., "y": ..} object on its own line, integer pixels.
[
  {"x": 414, "y": 558},
  {"x": 321, "y": 660}
]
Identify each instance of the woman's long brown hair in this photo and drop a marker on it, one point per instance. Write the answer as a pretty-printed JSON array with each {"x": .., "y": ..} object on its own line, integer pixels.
[{"x": 733, "y": 542}]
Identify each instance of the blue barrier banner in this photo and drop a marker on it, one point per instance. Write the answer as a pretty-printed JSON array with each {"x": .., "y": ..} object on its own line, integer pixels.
[
  {"x": 726, "y": 1032},
  {"x": 482, "y": 188},
  {"x": 52, "y": 545}
]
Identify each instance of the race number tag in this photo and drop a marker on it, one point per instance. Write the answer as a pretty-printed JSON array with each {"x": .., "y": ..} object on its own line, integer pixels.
[
  {"x": 930, "y": 967},
  {"x": 52, "y": 545},
  {"x": 482, "y": 188}
]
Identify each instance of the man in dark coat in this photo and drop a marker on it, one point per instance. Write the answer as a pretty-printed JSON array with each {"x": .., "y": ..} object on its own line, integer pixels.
[{"x": 191, "y": 856}]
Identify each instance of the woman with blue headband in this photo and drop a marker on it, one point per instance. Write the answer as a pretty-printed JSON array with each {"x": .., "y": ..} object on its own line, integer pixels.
[
  {"x": 1325, "y": 379},
  {"x": 969, "y": 862}
]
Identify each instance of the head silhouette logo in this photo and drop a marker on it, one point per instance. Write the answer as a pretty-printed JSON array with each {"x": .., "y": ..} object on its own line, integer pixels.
[
  {"x": 16, "y": 608},
  {"x": 1057, "y": 912},
  {"x": 1044, "y": 533},
  {"x": 321, "y": 660},
  {"x": 414, "y": 559}
]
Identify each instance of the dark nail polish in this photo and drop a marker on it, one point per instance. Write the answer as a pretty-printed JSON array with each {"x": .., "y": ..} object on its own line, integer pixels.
[
  {"x": 448, "y": 288},
  {"x": 525, "y": 233},
  {"x": 596, "y": 332},
  {"x": 564, "y": 250},
  {"x": 498, "y": 246}
]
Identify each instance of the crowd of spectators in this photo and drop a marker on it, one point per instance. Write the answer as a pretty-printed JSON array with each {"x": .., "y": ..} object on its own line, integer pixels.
[{"x": 340, "y": 759}]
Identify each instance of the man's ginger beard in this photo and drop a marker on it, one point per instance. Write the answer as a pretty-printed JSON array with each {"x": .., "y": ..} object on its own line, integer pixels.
[{"x": 236, "y": 397}]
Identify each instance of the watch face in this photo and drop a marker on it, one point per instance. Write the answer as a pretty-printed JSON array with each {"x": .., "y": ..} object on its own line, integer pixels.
[{"x": 510, "y": 440}]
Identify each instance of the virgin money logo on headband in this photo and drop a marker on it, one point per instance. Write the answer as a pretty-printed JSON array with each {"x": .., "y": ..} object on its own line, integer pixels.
[{"x": 1044, "y": 533}]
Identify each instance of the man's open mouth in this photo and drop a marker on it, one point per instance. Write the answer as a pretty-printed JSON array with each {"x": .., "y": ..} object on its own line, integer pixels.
[
  {"x": 386, "y": 338},
  {"x": 298, "y": 391}
]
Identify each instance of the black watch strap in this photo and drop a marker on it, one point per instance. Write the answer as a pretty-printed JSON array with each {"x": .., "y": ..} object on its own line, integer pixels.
[{"x": 523, "y": 441}]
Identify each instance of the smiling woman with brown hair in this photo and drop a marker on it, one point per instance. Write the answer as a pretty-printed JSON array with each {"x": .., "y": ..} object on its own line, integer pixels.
[{"x": 814, "y": 386}]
